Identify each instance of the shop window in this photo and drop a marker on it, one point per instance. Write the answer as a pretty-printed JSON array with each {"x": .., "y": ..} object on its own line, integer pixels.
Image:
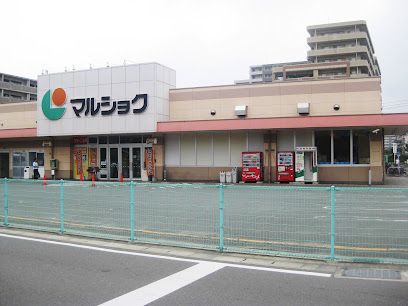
[
  {"x": 341, "y": 140},
  {"x": 38, "y": 156},
  {"x": 103, "y": 140},
  {"x": 131, "y": 139},
  {"x": 40, "y": 159},
  {"x": 93, "y": 139},
  {"x": 113, "y": 139},
  {"x": 323, "y": 144},
  {"x": 31, "y": 157},
  {"x": 361, "y": 147}
]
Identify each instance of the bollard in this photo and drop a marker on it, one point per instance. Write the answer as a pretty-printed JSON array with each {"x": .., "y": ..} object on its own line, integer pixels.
[
  {"x": 121, "y": 178},
  {"x": 44, "y": 180},
  {"x": 81, "y": 177},
  {"x": 93, "y": 180}
]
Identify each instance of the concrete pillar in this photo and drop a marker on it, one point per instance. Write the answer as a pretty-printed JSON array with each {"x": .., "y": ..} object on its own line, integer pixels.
[
  {"x": 159, "y": 158},
  {"x": 270, "y": 141}
]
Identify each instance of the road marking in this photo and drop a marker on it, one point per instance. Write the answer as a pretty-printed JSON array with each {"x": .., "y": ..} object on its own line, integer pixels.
[
  {"x": 80, "y": 246},
  {"x": 165, "y": 286}
]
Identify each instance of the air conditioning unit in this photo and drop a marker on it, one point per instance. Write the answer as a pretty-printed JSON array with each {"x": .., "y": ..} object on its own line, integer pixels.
[
  {"x": 241, "y": 110},
  {"x": 47, "y": 144},
  {"x": 303, "y": 108}
]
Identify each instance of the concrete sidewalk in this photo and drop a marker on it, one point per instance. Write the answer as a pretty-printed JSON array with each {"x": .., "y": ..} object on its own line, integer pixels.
[{"x": 335, "y": 268}]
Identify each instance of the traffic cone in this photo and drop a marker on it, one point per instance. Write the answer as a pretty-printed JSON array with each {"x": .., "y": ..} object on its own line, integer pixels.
[
  {"x": 44, "y": 180},
  {"x": 81, "y": 177},
  {"x": 121, "y": 178},
  {"x": 93, "y": 180}
]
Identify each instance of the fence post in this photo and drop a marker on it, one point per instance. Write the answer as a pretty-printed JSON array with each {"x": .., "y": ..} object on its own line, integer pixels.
[
  {"x": 6, "y": 208},
  {"x": 61, "y": 206},
  {"x": 221, "y": 243},
  {"x": 132, "y": 211},
  {"x": 332, "y": 221}
]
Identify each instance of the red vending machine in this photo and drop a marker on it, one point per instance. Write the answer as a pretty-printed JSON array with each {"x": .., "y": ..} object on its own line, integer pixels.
[
  {"x": 285, "y": 167},
  {"x": 252, "y": 166}
]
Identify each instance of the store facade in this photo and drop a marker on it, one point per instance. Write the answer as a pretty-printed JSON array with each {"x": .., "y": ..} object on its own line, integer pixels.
[
  {"x": 131, "y": 123},
  {"x": 334, "y": 129}
]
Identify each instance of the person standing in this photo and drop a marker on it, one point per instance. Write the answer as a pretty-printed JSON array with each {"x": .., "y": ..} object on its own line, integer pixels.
[{"x": 35, "y": 169}]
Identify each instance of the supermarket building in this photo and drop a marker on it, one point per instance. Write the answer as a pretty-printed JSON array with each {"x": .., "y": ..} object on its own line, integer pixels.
[{"x": 131, "y": 122}]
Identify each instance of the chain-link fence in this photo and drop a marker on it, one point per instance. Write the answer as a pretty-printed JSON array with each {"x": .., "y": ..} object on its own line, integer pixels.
[{"x": 333, "y": 223}]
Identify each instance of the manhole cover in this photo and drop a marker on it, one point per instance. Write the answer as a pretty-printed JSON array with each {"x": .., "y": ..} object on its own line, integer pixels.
[{"x": 372, "y": 273}]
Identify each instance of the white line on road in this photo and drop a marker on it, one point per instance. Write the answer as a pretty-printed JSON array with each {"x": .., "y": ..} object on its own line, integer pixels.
[
  {"x": 165, "y": 286},
  {"x": 240, "y": 266}
]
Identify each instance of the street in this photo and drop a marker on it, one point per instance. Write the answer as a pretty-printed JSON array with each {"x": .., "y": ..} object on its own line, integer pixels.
[{"x": 43, "y": 272}]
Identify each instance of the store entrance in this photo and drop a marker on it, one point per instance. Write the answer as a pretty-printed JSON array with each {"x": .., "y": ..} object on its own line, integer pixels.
[
  {"x": 131, "y": 162},
  {"x": 117, "y": 161},
  {"x": 4, "y": 165}
]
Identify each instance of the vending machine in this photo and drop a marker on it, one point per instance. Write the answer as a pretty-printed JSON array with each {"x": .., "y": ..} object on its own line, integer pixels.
[
  {"x": 252, "y": 166},
  {"x": 285, "y": 168}
]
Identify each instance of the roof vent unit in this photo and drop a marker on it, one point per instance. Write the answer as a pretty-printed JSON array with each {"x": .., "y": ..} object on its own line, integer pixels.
[
  {"x": 303, "y": 108},
  {"x": 241, "y": 110}
]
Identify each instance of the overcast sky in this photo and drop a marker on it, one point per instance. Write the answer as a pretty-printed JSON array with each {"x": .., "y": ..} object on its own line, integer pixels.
[{"x": 206, "y": 42}]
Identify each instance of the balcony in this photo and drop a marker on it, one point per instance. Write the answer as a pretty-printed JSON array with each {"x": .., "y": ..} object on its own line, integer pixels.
[
  {"x": 16, "y": 87},
  {"x": 335, "y": 51}
]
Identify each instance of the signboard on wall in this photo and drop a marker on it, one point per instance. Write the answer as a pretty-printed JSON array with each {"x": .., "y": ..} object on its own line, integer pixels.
[{"x": 110, "y": 100}]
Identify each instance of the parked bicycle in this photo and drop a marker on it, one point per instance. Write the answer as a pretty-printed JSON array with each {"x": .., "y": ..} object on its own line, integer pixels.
[{"x": 397, "y": 171}]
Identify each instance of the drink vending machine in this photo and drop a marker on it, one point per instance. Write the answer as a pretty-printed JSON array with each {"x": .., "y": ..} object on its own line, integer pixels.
[
  {"x": 285, "y": 168},
  {"x": 252, "y": 166}
]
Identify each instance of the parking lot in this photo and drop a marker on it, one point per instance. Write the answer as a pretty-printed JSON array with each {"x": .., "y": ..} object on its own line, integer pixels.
[{"x": 296, "y": 221}]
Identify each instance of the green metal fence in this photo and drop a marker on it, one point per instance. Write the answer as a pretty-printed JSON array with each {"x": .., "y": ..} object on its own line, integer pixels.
[{"x": 330, "y": 223}]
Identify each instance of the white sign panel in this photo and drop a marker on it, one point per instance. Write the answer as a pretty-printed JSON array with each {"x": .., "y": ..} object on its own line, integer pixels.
[{"x": 111, "y": 100}]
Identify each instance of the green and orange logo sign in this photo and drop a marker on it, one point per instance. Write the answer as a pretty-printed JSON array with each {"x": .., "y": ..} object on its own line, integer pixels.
[{"x": 58, "y": 98}]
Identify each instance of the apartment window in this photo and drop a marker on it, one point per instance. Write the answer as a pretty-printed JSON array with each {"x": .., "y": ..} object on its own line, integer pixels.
[
  {"x": 323, "y": 144},
  {"x": 341, "y": 141},
  {"x": 361, "y": 147}
]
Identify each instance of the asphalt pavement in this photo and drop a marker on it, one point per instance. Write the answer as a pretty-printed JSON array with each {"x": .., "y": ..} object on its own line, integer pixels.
[{"x": 64, "y": 272}]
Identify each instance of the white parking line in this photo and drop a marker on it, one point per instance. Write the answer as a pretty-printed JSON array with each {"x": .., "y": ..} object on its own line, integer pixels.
[{"x": 165, "y": 286}]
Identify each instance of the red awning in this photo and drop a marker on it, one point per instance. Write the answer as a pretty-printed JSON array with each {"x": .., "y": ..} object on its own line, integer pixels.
[{"x": 18, "y": 133}]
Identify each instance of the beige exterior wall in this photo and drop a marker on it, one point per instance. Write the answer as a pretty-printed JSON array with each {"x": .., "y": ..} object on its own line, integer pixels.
[
  {"x": 21, "y": 115},
  {"x": 355, "y": 96},
  {"x": 62, "y": 151}
]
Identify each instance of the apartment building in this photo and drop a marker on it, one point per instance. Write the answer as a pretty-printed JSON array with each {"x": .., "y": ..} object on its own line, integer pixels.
[
  {"x": 17, "y": 89},
  {"x": 341, "y": 49}
]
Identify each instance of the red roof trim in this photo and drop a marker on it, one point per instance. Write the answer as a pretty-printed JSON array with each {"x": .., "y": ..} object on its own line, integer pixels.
[
  {"x": 18, "y": 133},
  {"x": 285, "y": 123}
]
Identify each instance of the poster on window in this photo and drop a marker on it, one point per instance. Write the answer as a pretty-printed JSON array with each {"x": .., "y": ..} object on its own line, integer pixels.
[
  {"x": 149, "y": 160},
  {"x": 93, "y": 157}
]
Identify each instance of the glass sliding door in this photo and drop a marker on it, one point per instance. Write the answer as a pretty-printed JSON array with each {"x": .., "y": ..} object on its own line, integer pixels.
[
  {"x": 136, "y": 163},
  {"x": 125, "y": 162},
  {"x": 20, "y": 161},
  {"x": 113, "y": 163},
  {"x": 103, "y": 163}
]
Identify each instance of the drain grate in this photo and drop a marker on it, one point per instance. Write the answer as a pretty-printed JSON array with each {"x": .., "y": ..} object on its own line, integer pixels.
[{"x": 372, "y": 273}]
